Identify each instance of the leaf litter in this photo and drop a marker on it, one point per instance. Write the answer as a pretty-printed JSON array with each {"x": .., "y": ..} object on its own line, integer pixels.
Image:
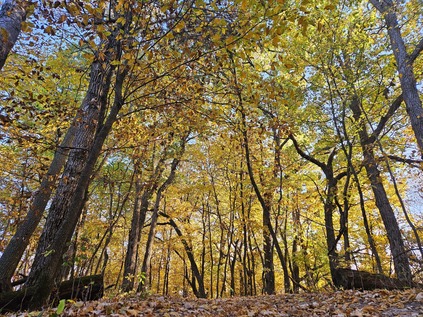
[{"x": 348, "y": 303}]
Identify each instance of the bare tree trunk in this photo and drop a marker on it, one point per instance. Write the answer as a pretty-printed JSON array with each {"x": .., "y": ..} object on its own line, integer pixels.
[
  {"x": 12, "y": 14},
  {"x": 404, "y": 63}
]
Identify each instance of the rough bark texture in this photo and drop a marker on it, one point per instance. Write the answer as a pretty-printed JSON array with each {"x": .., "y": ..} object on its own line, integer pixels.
[
  {"x": 12, "y": 14},
  {"x": 17, "y": 245},
  {"x": 68, "y": 202},
  {"x": 399, "y": 254},
  {"x": 53, "y": 242},
  {"x": 404, "y": 67}
]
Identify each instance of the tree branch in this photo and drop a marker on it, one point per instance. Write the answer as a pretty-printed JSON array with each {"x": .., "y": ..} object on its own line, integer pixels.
[
  {"x": 393, "y": 107},
  {"x": 304, "y": 155},
  {"x": 416, "y": 52}
]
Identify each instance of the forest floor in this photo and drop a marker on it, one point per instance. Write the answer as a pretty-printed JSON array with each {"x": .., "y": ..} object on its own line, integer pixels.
[{"x": 351, "y": 303}]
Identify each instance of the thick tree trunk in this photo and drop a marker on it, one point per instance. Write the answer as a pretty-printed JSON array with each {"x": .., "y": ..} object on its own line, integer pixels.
[
  {"x": 51, "y": 246},
  {"x": 404, "y": 67},
  {"x": 12, "y": 14},
  {"x": 68, "y": 202},
  {"x": 17, "y": 245},
  {"x": 399, "y": 254}
]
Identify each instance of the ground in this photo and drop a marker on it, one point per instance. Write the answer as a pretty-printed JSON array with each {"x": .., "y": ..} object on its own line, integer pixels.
[{"x": 351, "y": 303}]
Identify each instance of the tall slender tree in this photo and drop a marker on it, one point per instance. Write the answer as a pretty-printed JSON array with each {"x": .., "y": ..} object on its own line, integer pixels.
[{"x": 404, "y": 64}]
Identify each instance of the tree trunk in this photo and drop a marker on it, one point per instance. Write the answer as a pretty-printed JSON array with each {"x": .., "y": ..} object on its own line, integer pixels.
[
  {"x": 201, "y": 291},
  {"x": 51, "y": 246},
  {"x": 268, "y": 267},
  {"x": 68, "y": 202},
  {"x": 399, "y": 254},
  {"x": 12, "y": 14},
  {"x": 16, "y": 247},
  {"x": 139, "y": 214},
  {"x": 268, "y": 233},
  {"x": 134, "y": 238},
  {"x": 353, "y": 279},
  {"x": 404, "y": 64},
  {"x": 329, "y": 206},
  {"x": 150, "y": 239},
  {"x": 81, "y": 288}
]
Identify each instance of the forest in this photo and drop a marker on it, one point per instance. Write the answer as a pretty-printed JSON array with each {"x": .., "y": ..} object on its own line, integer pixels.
[{"x": 209, "y": 148}]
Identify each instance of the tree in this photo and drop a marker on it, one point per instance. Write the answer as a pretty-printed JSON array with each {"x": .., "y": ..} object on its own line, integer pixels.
[
  {"x": 57, "y": 85},
  {"x": 12, "y": 14},
  {"x": 332, "y": 181},
  {"x": 295, "y": 113},
  {"x": 399, "y": 254},
  {"x": 90, "y": 133},
  {"x": 404, "y": 64}
]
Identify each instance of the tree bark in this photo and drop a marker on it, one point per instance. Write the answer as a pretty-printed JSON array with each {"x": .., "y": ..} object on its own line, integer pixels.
[
  {"x": 399, "y": 254},
  {"x": 50, "y": 247},
  {"x": 12, "y": 14},
  {"x": 404, "y": 64},
  {"x": 16, "y": 247},
  {"x": 68, "y": 202}
]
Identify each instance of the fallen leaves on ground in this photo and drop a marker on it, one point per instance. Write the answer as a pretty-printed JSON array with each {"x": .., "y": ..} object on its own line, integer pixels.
[{"x": 350, "y": 303}]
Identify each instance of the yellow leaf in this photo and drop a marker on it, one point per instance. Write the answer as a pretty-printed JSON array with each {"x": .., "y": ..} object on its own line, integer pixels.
[{"x": 121, "y": 20}]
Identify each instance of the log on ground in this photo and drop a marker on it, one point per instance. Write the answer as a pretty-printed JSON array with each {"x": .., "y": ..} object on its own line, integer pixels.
[
  {"x": 355, "y": 279},
  {"x": 81, "y": 288}
]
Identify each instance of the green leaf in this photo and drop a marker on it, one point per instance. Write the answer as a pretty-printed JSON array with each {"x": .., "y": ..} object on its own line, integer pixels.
[{"x": 61, "y": 306}]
